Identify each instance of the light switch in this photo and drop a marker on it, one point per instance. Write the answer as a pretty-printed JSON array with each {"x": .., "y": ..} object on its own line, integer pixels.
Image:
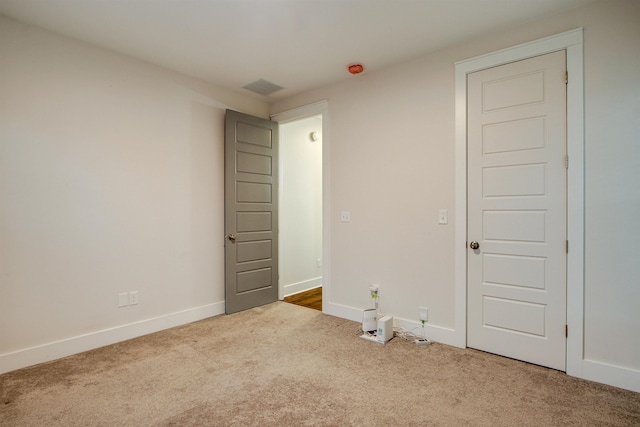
[
  {"x": 345, "y": 216},
  {"x": 443, "y": 217}
]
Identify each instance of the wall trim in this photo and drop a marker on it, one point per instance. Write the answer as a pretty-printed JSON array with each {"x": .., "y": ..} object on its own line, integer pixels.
[
  {"x": 610, "y": 374},
  {"x": 572, "y": 42},
  {"x": 305, "y": 285},
  {"x": 78, "y": 344},
  {"x": 432, "y": 332},
  {"x": 301, "y": 112},
  {"x": 342, "y": 311}
]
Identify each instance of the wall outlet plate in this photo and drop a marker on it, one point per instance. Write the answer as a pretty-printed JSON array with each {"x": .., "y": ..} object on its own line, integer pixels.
[
  {"x": 133, "y": 298},
  {"x": 423, "y": 313},
  {"x": 123, "y": 299}
]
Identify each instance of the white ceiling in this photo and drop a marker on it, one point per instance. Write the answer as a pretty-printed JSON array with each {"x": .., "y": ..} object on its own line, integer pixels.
[{"x": 296, "y": 44}]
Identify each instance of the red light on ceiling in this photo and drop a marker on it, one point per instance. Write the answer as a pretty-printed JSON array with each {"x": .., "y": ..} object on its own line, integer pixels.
[{"x": 355, "y": 69}]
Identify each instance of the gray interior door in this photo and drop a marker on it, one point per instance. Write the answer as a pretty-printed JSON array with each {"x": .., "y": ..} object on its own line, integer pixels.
[{"x": 251, "y": 211}]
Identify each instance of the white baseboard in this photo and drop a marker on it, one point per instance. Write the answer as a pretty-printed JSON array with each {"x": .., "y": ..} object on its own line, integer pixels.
[
  {"x": 432, "y": 332},
  {"x": 305, "y": 285},
  {"x": 342, "y": 311},
  {"x": 56, "y": 350},
  {"x": 605, "y": 373}
]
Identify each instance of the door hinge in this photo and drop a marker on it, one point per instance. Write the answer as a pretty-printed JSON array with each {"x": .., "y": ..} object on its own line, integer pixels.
[
  {"x": 566, "y": 246},
  {"x": 566, "y": 161},
  {"x": 566, "y": 77},
  {"x": 566, "y": 331}
]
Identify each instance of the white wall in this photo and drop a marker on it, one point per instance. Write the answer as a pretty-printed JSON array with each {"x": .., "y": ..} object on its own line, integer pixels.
[
  {"x": 392, "y": 166},
  {"x": 111, "y": 180},
  {"x": 300, "y": 231}
]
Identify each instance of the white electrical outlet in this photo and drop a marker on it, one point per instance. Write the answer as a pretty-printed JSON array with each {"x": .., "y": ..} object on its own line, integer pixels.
[
  {"x": 374, "y": 289},
  {"x": 133, "y": 298},
  {"x": 123, "y": 299},
  {"x": 424, "y": 313},
  {"x": 345, "y": 216}
]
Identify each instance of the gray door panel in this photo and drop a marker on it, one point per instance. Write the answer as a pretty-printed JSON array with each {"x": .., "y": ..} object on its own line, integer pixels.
[{"x": 251, "y": 211}]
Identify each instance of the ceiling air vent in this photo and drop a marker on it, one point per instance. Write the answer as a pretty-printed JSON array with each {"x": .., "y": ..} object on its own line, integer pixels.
[{"x": 263, "y": 87}]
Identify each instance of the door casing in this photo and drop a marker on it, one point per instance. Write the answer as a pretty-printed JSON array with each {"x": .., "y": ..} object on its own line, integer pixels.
[{"x": 571, "y": 41}]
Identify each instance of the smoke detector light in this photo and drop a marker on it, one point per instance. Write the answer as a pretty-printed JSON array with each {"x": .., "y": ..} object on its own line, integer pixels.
[{"x": 355, "y": 68}]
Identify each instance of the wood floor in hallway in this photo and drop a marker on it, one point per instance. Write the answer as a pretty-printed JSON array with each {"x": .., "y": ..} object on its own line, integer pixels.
[{"x": 311, "y": 298}]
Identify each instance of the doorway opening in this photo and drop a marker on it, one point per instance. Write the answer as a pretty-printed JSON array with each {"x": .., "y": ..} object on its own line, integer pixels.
[
  {"x": 301, "y": 209},
  {"x": 319, "y": 110}
]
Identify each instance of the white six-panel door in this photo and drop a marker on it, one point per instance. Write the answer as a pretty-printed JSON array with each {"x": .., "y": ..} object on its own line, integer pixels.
[{"x": 517, "y": 210}]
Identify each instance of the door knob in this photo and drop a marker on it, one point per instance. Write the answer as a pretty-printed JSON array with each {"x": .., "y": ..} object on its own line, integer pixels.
[
  {"x": 474, "y": 245},
  {"x": 232, "y": 237}
]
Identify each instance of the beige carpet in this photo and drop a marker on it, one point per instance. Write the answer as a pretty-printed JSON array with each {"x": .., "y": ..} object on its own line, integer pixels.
[{"x": 288, "y": 365}]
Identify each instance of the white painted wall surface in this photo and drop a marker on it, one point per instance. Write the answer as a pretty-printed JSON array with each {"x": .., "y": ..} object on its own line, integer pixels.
[
  {"x": 392, "y": 166},
  {"x": 612, "y": 153},
  {"x": 300, "y": 205},
  {"x": 111, "y": 180}
]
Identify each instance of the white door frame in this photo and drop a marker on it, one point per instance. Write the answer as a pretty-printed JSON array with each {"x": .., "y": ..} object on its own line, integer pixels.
[
  {"x": 571, "y": 41},
  {"x": 315, "y": 109}
]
